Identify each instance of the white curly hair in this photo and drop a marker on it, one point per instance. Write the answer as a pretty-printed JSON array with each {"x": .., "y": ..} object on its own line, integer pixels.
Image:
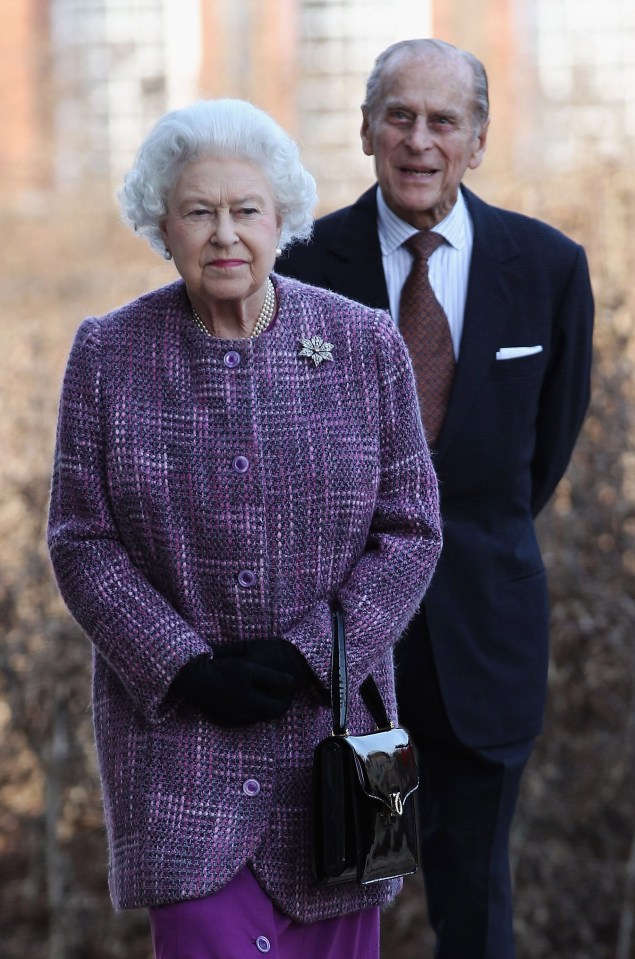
[{"x": 223, "y": 128}]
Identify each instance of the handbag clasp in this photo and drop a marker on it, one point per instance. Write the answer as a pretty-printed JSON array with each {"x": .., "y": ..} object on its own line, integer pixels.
[{"x": 396, "y": 804}]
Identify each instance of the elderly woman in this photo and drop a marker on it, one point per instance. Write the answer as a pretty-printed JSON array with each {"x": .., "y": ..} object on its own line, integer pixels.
[{"x": 235, "y": 452}]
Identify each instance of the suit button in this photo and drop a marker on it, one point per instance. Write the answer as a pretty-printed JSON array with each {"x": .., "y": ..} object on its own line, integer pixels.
[
  {"x": 231, "y": 359},
  {"x": 240, "y": 464},
  {"x": 251, "y": 787},
  {"x": 263, "y": 944},
  {"x": 247, "y": 578}
]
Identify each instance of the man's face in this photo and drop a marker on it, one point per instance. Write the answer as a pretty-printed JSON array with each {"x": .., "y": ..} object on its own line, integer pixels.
[{"x": 422, "y": 135}]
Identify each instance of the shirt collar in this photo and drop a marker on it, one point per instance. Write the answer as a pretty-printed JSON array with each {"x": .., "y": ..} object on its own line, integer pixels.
[{"x": 393, "y": 231}]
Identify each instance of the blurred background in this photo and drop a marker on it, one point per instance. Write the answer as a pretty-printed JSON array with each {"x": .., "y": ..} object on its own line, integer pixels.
[{"x": 81, "y": 81}]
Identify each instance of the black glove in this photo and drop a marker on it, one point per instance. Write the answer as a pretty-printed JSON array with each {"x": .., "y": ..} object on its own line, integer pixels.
[
  {"x": 233, "y": 690},
  {"x": 277, "y": 654},
  {"x": 274, "y": 653}
]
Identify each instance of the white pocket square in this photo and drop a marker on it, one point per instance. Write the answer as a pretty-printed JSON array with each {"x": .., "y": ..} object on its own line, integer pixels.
[{"x": 514, "y": 352}]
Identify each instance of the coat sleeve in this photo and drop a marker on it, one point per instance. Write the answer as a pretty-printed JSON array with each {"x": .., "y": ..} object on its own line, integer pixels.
[
  {"x": 388, "y": 581},
  {"x": 565, "y": 394},
  {"x": 139, "y": 634}
]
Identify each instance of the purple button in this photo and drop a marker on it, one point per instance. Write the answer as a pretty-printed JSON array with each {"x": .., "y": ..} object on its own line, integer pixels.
[
  {"x": 240, "y": 464},
  {"x": 263, "y": 944},
  {"x": 246, "y": 578},
  {"x": 231, "y": 359},
  {"x": 251, "y": 787}
]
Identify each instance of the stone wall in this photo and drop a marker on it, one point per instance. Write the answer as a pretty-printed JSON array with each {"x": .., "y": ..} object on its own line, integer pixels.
[{"x": 338, "y": 43}]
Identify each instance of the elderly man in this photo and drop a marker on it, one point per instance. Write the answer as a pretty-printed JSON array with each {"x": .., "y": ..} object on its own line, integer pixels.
[{"x": 497, "y": 311}]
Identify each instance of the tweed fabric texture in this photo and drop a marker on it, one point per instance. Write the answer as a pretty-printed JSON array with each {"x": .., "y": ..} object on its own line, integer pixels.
[
  {"x": 424, "y": 326},
  {"x": 151, "y": 525}
]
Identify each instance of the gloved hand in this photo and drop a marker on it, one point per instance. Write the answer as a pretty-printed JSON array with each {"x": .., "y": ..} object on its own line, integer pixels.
[
  {"x": 274, "y": 653},
  {"x": 234, "y": 690}
]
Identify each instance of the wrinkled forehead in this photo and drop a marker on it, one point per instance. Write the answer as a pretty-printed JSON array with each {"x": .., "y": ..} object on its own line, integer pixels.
[{"x": 429, "y": 73}]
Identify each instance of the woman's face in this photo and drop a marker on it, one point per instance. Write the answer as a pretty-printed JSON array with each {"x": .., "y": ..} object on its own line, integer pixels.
[{"x": 221, "y": 228}]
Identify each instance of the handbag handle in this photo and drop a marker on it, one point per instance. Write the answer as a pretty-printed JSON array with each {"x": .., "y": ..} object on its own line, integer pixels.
[
  {"x": 339, "y": 678},
  {"x": 369, "y": 690}
]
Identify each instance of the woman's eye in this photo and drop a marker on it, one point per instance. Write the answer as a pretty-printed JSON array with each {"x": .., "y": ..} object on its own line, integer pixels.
[{"x": 248, "y": 211}]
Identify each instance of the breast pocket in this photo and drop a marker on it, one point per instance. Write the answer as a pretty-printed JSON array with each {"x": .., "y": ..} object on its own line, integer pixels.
[{"x": 519, "y": 366}]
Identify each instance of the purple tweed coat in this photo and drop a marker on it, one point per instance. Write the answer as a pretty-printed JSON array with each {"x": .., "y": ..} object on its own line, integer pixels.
[{"x": 207, "y": 491}]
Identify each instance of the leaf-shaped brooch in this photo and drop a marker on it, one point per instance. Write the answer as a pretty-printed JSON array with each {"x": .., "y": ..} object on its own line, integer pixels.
[{"x": 316, "y": 349}]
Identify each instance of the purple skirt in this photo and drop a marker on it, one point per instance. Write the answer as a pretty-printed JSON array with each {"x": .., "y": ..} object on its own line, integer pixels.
[{"x": 240, "y": 922}]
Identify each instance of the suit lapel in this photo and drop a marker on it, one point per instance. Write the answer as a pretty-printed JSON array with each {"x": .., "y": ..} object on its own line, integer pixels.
[
  {"x": 355, "y": 269},
  {"x": 355, "y": 266},
  {"x": 494, "y": 269}
]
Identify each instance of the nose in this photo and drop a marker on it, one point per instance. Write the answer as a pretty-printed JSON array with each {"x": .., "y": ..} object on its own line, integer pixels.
[
  {"x": 418, "y": 135},
  {"x": 224, "y": 233}
]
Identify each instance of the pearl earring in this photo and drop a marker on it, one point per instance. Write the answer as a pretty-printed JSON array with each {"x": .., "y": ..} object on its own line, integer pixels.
[
  {"x": 278, "y": 251},
  {"x": 167, "y": 255}
]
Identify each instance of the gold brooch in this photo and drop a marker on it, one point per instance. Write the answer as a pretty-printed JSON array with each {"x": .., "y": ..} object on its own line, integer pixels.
[{"x": 316, "y": 349}]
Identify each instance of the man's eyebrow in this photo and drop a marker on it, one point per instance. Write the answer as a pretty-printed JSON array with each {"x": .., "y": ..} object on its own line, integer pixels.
[
  {"x": 399, "y": 105},
  {"x": 451, "y": 112}
]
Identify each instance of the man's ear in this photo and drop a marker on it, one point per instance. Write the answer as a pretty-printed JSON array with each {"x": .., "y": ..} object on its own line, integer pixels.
[
  {"x": 480, "y": 143},
  {"x": 365, "y": 133}
]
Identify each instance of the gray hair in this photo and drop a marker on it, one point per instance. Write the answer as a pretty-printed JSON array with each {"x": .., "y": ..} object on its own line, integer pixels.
[
  {"x": 223, "y": 128},
  {"x": 374, "y": 85}
]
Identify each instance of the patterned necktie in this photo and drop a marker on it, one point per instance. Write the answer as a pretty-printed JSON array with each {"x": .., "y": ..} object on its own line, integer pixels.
[{"x": 424, "y": 327}]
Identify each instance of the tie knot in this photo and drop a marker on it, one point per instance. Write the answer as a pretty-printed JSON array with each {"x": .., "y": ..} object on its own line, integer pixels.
[{"x": 423, "y": 244}]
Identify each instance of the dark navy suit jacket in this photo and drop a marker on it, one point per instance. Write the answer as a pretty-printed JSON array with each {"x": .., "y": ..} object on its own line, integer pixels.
[{"x": 508, "y": 435}]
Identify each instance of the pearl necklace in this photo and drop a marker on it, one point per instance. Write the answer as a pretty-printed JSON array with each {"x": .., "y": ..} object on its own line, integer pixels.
[{"x": 264, "y": 317}]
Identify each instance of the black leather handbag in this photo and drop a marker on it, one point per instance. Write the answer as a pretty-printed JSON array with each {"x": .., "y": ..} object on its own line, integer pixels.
[{"x": 364, "y": 821}]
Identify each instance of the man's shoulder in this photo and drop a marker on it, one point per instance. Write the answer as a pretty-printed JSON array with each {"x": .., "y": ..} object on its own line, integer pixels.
[
  {"x": 524, "y": 229},
  {"x": 325, "y": 229},
  {"x": 330, "y": 224},
  {"x": 338, "y": 235},
  {"x": 341, "y": 222},
  {"x": 364, "y": 207}
]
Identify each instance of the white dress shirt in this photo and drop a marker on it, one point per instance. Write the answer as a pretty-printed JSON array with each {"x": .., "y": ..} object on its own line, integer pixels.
[{"x": 448, "y": 266}]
